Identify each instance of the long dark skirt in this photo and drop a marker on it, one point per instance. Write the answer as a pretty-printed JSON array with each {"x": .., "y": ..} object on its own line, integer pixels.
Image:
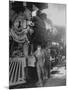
[{"x": 31, "y": 74}]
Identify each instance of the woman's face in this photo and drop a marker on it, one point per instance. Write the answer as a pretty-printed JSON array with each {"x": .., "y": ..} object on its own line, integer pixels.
[{"x": 39, "y": 48}]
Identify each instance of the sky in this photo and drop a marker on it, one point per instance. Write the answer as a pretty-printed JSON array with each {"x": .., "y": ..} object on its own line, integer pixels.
[{"x": 57, "y": 13}]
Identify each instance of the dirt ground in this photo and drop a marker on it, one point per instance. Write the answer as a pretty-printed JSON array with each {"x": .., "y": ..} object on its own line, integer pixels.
[{"x": 57, "y": 78}]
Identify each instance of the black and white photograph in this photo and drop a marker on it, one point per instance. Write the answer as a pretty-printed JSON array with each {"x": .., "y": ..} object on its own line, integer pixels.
[{"x": 37, "y": 44}]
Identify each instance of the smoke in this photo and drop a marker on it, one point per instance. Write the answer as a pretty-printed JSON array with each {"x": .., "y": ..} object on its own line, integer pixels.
[{"x": 57, "y": 13}]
